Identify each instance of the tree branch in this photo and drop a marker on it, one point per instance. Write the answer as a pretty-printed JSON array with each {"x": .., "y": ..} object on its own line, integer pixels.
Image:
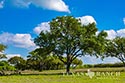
[
  {"x": 61, "y": 58},
  {"x": 75, "y": 53},
  {"x": 73, "y": 58}
]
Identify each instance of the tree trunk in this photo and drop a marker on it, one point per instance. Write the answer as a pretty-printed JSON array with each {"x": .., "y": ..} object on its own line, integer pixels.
[
  {"x": 57, "y": 67},
  {"x": 68, "y": 68},
  {"x": 68, "y": 63},
  {"x": 123, "y": 63},
  {"x": 41, "y": 66}
]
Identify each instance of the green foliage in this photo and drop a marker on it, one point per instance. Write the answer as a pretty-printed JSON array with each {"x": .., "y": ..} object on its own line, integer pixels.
[
  {"x": 18, "y": 62},
  {"x": 108, "y": 65},
  {"x": 4, "y": 66},
  {"x": 50, "y": 62},
  {"x": 116, "y": 48},
  {"x": 47, "y": 63},
  {"x": 77, "y": 63},
  {"x": 88, "y": 66},
  {"x": 67, "y": 36},
  {"x": 104, "y": 65},
  {"x": 2, "y": 48}
]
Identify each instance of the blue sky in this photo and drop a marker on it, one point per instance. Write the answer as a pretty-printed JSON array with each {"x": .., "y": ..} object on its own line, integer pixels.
[{"x": 22, "y": 20}]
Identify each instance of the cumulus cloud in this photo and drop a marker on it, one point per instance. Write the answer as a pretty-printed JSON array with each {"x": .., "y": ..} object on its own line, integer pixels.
[
  {"x": 94, "y": 60},
  {"x": 12, "y": 55},
  {"x": 42, "y": 27},
  {"x": 121, "y": 33},
  {"x": 112, "y": 33},
  {"x": 17, "y": 40},
  {"x": 85, "y": 20},
  {"x": 111, "y": 60},
  {"x": 57, "y": 5},
  {"x": 1, "y": 4}
]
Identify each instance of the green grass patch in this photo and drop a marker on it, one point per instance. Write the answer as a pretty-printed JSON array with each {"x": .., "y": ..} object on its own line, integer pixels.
[
  {"x": 61, "y": 79},
  {"x": 80, "y": 76}
]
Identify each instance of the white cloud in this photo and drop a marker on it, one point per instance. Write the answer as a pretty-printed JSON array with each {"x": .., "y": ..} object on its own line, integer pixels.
[
  {"x": 1, "y": 4},
  {"x": 111, "y": 60},
  {"x": 85, "y": 20},
  {"x": 93, "y": 60},
  {"x": 121, "y": 33},
  {"x": 57, "y": 5},
  {"x": 112, "y": 33},
  {"x": 42, "y": 27},
  {"x": 18, "y": 40},
  {"x": 12, "y": 55},
  {"x": 21, "y": 3}
]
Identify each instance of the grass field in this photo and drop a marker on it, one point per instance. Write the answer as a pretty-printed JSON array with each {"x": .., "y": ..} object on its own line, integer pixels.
[{"x": 82, "y": 77}]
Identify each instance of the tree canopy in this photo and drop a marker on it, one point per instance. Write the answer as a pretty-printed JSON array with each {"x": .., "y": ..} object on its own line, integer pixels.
[
  {"x": 18, "y": 62},
  {"x": 116, "y": 48},
  {"x": 68, "y": 37}
]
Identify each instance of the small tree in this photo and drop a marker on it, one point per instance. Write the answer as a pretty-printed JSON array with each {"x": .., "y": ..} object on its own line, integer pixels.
[
  {"x": 35, "y": 60},
  {"x": 67, "y": 36},
  {"x": 116, "y": 48},
  {"x": 18, "y": 62},
  {"x": 39, "y": 62}
]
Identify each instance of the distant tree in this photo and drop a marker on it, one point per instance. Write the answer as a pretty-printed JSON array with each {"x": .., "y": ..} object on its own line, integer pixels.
[
  {"x": 32, "y": 64},
  {"x": 37, "y": 62},
  {"x": 67, "y": 36},
  {"x": 116, "y": 48},
  {"x": 77, "y": 62},
  {"x": 18, "y": 62},
  {"x": 53, "y": 62},
  {"x": 2, "y": 49}
]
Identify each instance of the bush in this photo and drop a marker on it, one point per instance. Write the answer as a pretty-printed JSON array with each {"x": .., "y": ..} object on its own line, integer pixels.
[
  {"x": 4, "y": 66},
  {"x": 88, "y": 66},
  {"x": 103, "y": 65},
  {"x": 109, "y": 65}
]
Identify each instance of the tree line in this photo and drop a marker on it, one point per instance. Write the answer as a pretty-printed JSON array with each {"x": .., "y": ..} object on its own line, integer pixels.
[{"x": 34, "y": 62}]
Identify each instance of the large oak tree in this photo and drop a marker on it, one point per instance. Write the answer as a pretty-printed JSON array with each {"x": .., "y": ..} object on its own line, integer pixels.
[{"x": 68, "y": 37}]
